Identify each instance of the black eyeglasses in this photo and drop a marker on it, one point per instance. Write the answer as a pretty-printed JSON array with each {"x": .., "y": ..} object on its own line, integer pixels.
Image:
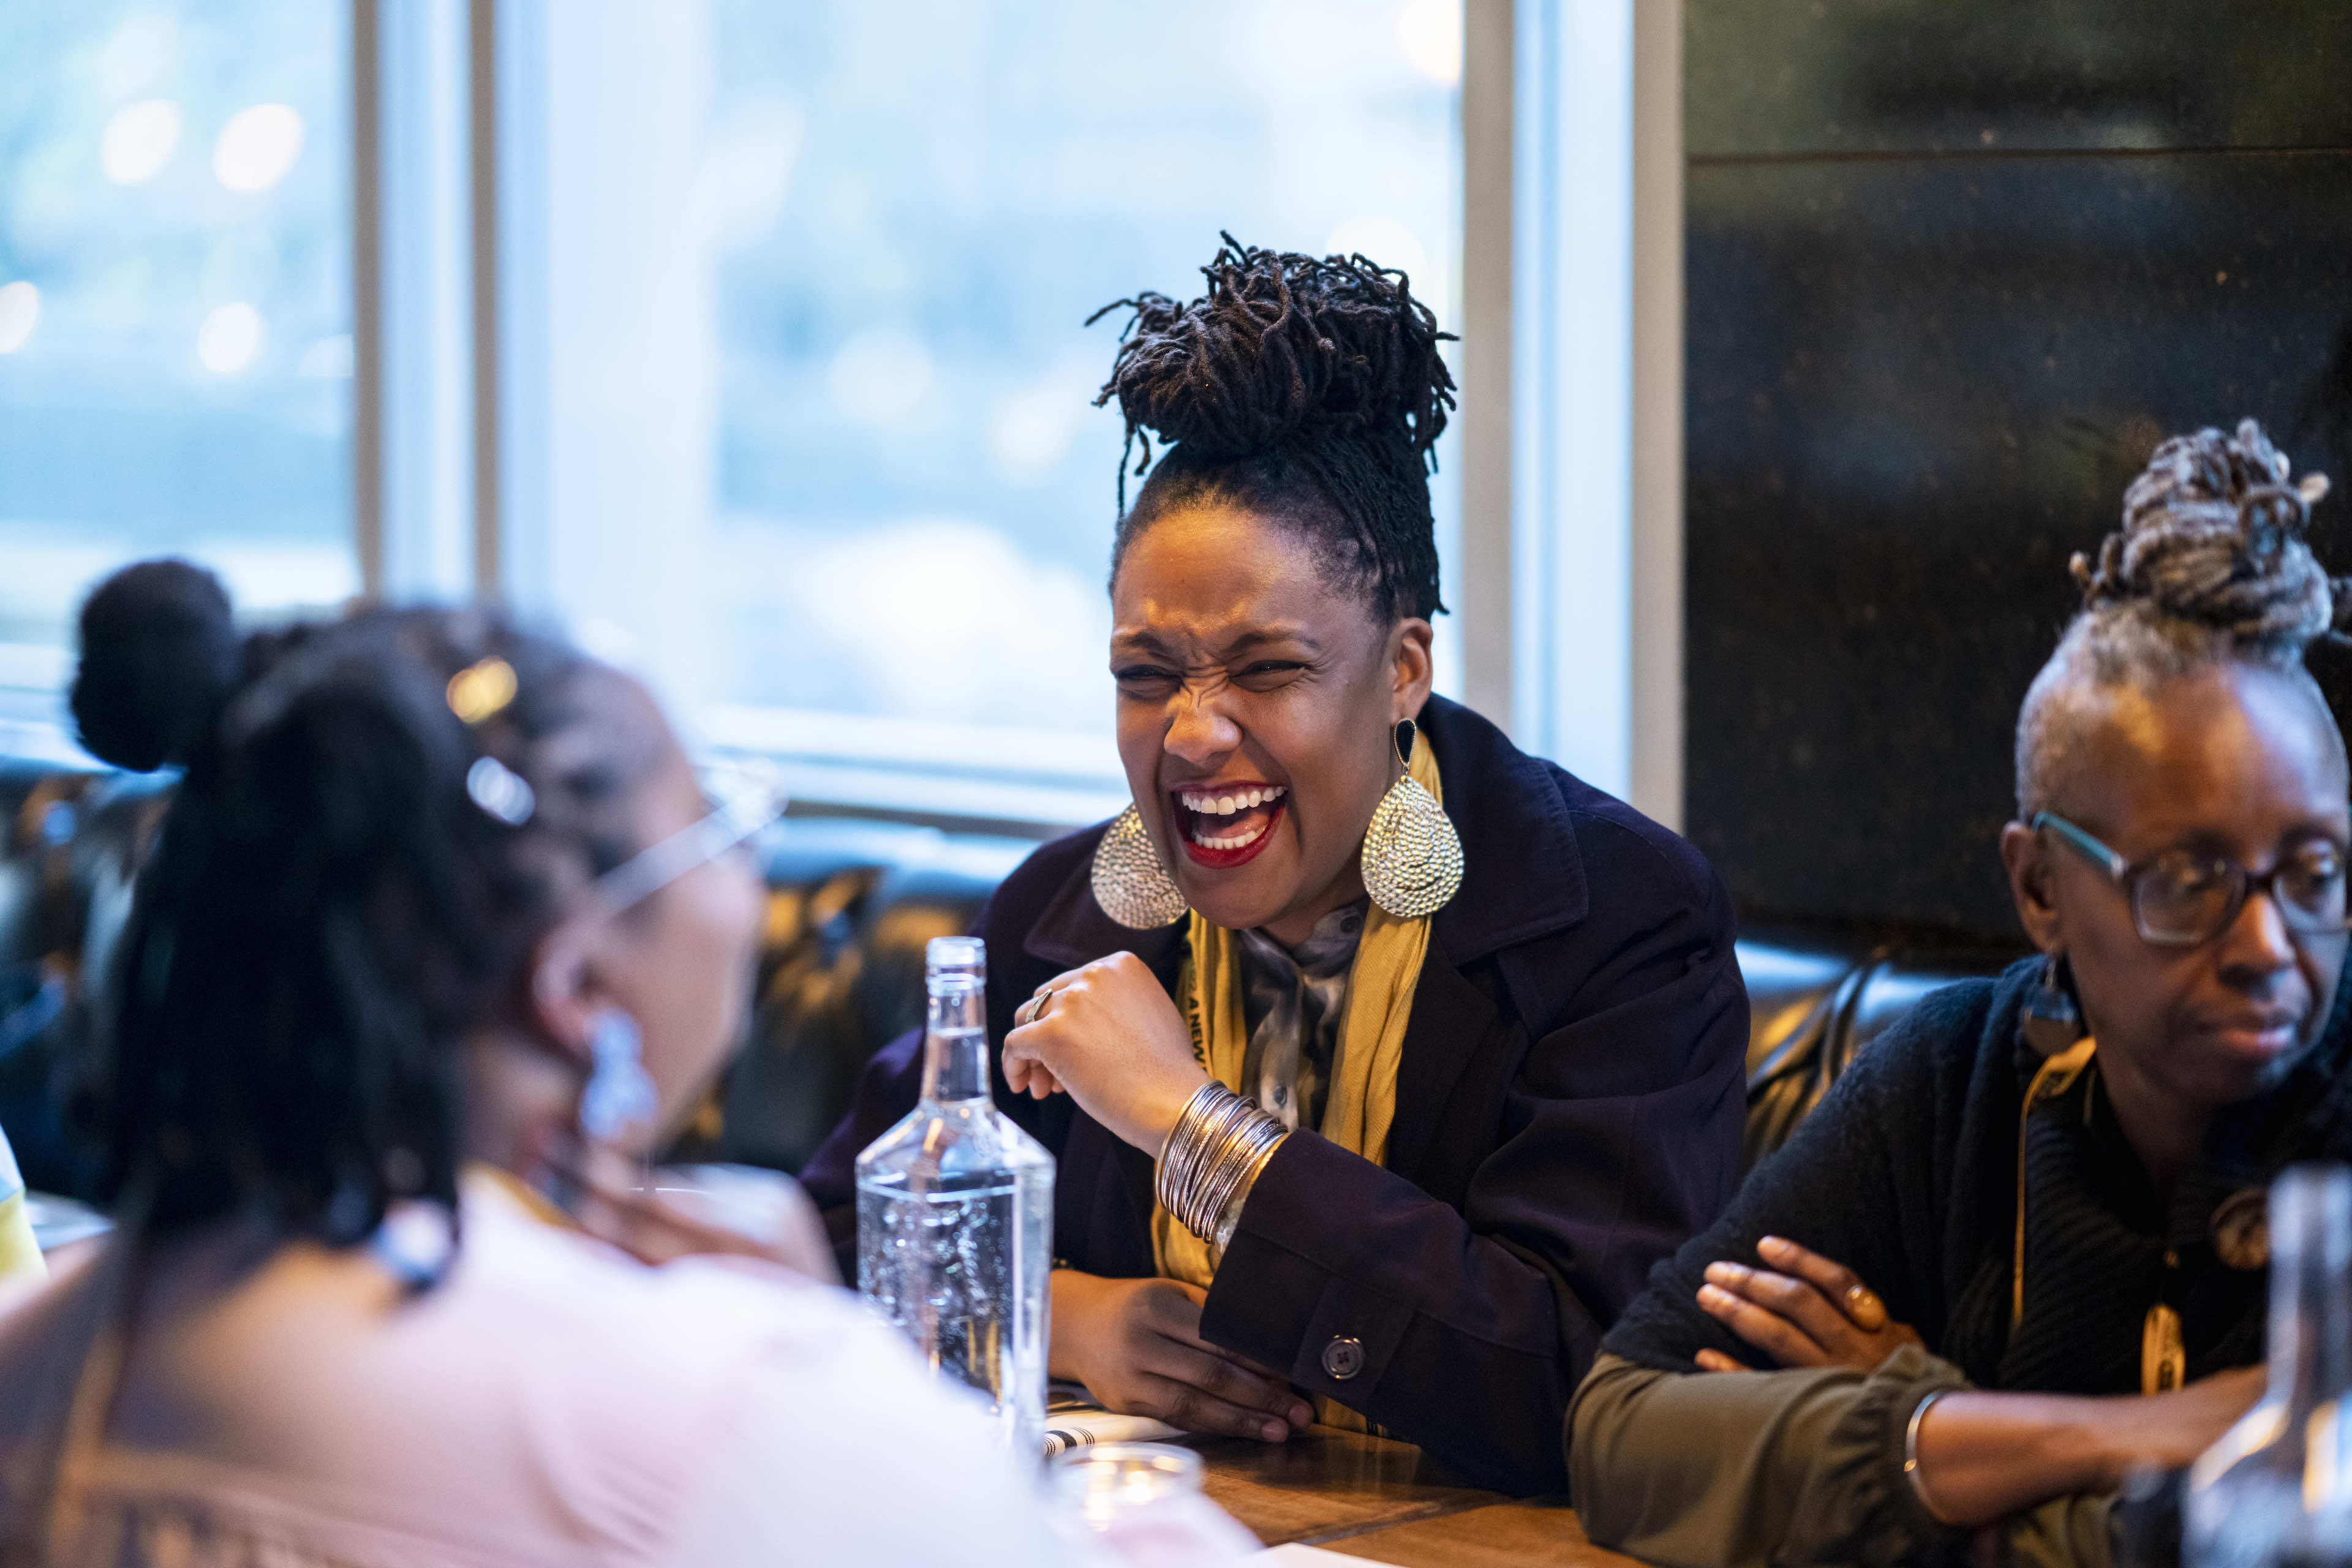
[{"x": 2182, "y": 899}]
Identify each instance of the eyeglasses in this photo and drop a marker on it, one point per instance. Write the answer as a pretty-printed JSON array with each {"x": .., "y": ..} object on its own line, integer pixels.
[
  {"x": 744, "y": 797},
  {"x": 2182, "y": 899}
]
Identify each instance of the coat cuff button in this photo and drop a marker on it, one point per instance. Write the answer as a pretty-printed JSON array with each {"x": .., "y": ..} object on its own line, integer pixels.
[{"x": 1343, "y": 1358}]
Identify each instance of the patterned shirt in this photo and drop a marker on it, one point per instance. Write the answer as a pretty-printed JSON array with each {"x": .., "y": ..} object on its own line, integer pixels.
[{"x": 1293, "y": 1000}]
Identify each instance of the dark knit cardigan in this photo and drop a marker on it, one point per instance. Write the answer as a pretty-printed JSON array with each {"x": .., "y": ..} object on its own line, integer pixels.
[{"x": 1908, "y": 1174}]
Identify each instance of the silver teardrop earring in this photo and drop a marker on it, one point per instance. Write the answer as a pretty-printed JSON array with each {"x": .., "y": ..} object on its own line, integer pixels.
[
  {"x": 620, "y": 1095},
  {"x": 1413, "y": 857},
  {"x": 1129, "y": 881}
]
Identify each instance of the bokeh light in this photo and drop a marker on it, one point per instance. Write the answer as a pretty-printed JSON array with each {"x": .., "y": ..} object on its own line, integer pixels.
[
  {"x": 1429, "y": 33},
  {"x": 20, "y": 312},
  {"x": 230, "y": 338},
  {"x": 258, "y": 146},
  {"x": 139, "y": 140}
]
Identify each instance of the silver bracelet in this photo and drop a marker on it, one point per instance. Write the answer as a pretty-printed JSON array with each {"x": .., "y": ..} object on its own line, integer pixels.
[
  {"x": 1911, "y": 1453},
  {"x": 1188, "y": 1163},
  {"x": 1229, "y": 1218},
  {"x": 1219, "y": 1145}
]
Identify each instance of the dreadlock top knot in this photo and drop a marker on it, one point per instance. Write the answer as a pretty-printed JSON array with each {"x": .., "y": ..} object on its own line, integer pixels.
[
  {"x": 1309, "y": 389},
  {"x": 160, "y": 654},
  {"x": 1281, "y": 345},
  {"x": 2213, "y": 535}
]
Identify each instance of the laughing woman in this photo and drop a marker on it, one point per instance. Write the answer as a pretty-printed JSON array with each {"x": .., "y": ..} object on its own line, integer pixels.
[{"x": 1382, "y": 1060}]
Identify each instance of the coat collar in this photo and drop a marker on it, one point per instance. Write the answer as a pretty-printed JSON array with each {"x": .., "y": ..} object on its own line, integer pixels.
[{"x": 1522, "y": 875}]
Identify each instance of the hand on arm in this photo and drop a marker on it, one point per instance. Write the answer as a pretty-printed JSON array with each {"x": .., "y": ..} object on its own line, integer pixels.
[
  {"x": 1137, "y": 1345},
  {"x": 1816, "y": 1314},
  {"x": 1983, "y": 1456},
  {"x": 1110, "y": 1037}
]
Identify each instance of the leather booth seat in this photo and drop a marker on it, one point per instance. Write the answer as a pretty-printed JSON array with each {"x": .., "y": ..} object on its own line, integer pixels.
[{"x": 851, "y": 904}]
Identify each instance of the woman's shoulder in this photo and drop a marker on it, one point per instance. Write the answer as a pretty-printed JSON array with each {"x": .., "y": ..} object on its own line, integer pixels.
[
  {"x": 1042, "y": 875},
  {"x": 1945, "y": 1043},
  {"x": 1529, "y": 813}
]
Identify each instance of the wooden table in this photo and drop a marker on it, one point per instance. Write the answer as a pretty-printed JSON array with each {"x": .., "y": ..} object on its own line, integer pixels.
[{"x": 1370, "y": 1497}]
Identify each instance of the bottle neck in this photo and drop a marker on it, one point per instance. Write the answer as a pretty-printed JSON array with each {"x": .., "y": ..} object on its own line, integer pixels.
[
  {"x": 2310, "y": 1342},
  {"x": 955, "y": 1041}
]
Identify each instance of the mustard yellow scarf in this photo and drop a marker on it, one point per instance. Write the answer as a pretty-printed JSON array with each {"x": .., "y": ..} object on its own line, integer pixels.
[{"x": 1361, "y": 1101}]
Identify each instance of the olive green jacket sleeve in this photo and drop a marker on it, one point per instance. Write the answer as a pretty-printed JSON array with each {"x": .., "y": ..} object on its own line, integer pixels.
[{"x": 1756, "y": 1468}]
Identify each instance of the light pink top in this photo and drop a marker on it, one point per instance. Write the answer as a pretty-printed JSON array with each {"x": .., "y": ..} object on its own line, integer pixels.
[{"x": 551, "y": 1401}]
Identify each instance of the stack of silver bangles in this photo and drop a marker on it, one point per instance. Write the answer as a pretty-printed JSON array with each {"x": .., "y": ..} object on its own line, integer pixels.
[{"x": 1214, "y": 1153}]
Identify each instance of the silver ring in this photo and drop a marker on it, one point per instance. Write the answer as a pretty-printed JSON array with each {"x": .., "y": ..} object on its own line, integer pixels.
[{"x": 1035, "y": 1006}]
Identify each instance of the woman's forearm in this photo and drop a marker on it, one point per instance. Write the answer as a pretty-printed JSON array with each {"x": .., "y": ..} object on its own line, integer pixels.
[{"x": 1983, "y": 1457}]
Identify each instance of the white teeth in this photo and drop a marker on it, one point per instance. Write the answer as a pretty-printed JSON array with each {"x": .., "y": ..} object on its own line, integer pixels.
[
  {"x": 1208, "y": 805},
  {"x": 1242, "y": 840}
]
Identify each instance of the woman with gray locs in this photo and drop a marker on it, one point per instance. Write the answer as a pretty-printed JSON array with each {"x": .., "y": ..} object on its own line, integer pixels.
[
  {"x": 1394, "y": 1056},
  {"x": 2015, "y": 1254}
]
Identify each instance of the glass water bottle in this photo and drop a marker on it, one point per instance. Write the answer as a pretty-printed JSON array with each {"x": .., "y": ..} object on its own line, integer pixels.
[
  {"x": 2261, "y": 1496},
  {"x": 955, "y": 1213}
]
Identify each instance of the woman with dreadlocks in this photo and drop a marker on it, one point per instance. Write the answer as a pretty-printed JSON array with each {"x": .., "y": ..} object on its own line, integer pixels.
[
  {"x": 1381, "y": 1058},
  {"x": 440, "y": 936},
  {"x": 2055, "y": 1274}
]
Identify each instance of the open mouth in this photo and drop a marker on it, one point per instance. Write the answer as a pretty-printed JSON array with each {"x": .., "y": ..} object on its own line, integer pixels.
[{"x": 1226, "y": 825}]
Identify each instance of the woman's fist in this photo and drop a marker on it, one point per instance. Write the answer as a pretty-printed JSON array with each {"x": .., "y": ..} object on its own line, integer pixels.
[{"x": 1109, "y": 1037}]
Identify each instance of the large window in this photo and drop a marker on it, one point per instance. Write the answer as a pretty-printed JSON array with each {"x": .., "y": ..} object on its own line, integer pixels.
[
  {"x": 918, "y": 207},
  {"x": 175, "y": 350},
  {"x": 763, "y": 368},
  {"x": 799, "y": 387}
]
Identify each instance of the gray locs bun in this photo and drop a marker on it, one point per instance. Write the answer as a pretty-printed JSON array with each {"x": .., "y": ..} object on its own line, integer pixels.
[
  {"x": 2210, "y": 566},
  {"x": 2213, "y": 535}
]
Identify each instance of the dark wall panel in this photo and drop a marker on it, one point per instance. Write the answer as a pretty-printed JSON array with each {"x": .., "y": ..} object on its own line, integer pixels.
[
  {"x": 1916, "y": 385},
  {"x": 1780, "y": 77}
]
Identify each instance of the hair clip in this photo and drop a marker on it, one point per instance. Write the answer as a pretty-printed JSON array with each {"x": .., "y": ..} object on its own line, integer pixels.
[
  {"x": 500, "y": 791},
  {"x": 481, "y": 691}
]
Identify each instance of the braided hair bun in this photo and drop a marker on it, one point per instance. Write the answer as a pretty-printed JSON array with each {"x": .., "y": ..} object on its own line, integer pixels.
[
  {"x": 2213, "y": 536},
  {"x": 2210, "y": 568},
  {"x": 159, "y": 656},
  {"x": 1309, "y": 390}
]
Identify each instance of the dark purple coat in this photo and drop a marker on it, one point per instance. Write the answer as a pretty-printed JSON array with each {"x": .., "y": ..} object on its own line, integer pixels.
[{"x": 1568, "y": 1108}]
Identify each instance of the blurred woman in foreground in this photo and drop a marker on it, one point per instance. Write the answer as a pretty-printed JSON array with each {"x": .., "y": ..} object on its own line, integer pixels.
[
  {"x": 2017, "y": 1252},
  {"x": 440, "y": 927}
]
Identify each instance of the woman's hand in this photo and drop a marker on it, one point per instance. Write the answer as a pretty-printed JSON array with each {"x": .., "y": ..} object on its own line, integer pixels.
[
  {"x": 1111, "y": 1037},
  {"x": 1136, "y": 1346},
  {"x": 1815, "y": 1313}
]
